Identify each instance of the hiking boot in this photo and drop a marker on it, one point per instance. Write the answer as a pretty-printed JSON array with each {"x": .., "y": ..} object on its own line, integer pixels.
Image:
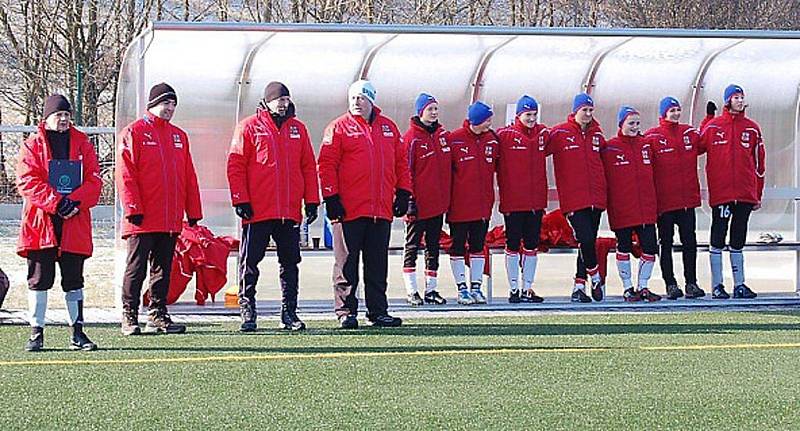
[
  {"x": 36, "y": 342},
  {"x": 79, "y": 340},
  {"x": 464, "y": 298},
  {"x": 477, "y": 295},
  {"x": 130, "y": 322},
  {"x": 348, "y": 321},
  {"x": 289, "y": 319},
  {"x": 674, "y": 292},
  {"x": 743, "y": 292},
  {"x": 513, "y": 297},
  {"x": 719, "y": 292},
  {"x": 433, "y": 297},
  {"x": 247, "y": 310},
  {"x": 578, "y": 295},
  {"x": 158, "y": 321},
  {"x": 649, "y": 296},
  {"x": 694, "y": 291},
  {"x": 630, "y": 295},
  {"x": 386, "y": 321},
  {"x": 598, "y": 290},
  {"x": 414, "y": 300},
  {"x": 529, "y": 296}
]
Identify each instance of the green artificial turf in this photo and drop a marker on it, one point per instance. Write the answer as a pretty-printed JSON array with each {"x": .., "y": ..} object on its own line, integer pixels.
[{"x": 563, "y": 372}]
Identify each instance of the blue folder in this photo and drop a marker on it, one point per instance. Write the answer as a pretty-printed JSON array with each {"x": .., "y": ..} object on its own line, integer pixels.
[{"x": 66, "y": 175}]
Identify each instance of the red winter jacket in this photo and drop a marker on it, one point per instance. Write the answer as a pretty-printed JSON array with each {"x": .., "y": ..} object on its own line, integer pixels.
[
  {"x": 673, "y": 147},
  {"x": 364, "y": 163},
  {"x": 522, "y": 167},
  {"x": 473, "y": 161},
  {"x": 156, "y": 177},
  {"x": 274, "y": 170},
  {"x": 40, "y": 199},
  {"x": 578, "y": 169},
  {"x": 627, "y": 162},
  {"x": 735, "y": 162},
  {"x": 429, "y": 165}
]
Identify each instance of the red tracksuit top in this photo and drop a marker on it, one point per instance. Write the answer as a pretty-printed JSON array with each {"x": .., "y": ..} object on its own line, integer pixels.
[
  {"x": 627, "y": 161},
  {"x": 473, "y": 161},
  {"x": 580, "y": 180},
  {"x": 522, "y": 167},
  {"x": 155, "y": 177},
  {"x": 674, "y": 150},
  {"x": 40, "y": 199},
  {"x": 274, "y": 170},
  {"x": 430, "y": 169},
  {"x": 735, "y": 159},
  {"x": 364, "y": 164}
]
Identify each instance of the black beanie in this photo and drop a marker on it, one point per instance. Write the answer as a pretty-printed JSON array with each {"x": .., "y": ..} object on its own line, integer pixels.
[
  {"x": 275, "y": 90},
  {"x": 56, "y": 103},
  {"x": 160, "y": 93}
]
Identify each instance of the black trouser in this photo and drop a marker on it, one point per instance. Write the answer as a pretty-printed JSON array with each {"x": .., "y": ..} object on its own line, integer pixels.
[
  {"x": 472, "y": 233},
  {"x": 351, "y": 240},
  {"x": 431, "y": 228},
  {"x": 157, "y": 250},
  {"x": 522, "y": 227},
  {"x": 585, "y": 223},
  {"x": 735, "y": 213},
  {"x": 42, "y": 269},
  {"x": 687, "y": 225},
  {"x": 255, "y": 238},
  {"x": 647, "y": 239}
]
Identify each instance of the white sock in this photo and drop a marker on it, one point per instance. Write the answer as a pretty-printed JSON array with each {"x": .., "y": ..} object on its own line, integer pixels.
[
  {"x": 410, "y": 280},
  {"x": 624, "y": 269},
  {"x": 529, "y": 261},
  {"x": 512, "y": 270},
  {"x": 715, "y": 256},
  {"x": 476, "y": 269},
  {"x": 580, "y": 284},
  {"x": 73, "y": 300},
  {"x": 430, "y": 281},
  {"x": 737, "y": 265},
  {"x": 459, "y": 269},
  {"x": 646, "y": 264},
  {"x": 37, "y": 307},
  {"x": 594, "y": 273}
]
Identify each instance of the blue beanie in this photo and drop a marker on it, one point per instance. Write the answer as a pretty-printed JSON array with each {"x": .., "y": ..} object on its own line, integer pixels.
[
  {"x": 527, "y": 103},
  {"x": 581, "y": 100},
  {"x": 423, "y": 100},
  {"x": 731, "y": 90},
  {"x": 666, "y": 103},
  {"x": 624, "y": 112},
  {"x": 478, "y": 112}
]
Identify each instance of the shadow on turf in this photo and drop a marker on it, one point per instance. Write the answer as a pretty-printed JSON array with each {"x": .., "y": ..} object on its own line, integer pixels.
[{"x": 334, "y": 350}]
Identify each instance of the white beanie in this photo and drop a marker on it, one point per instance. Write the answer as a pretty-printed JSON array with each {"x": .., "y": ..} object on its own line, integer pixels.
[{"x": 364, "y": 88}]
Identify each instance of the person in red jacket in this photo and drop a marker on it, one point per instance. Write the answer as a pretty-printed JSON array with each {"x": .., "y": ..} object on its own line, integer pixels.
[
  {"x": 673, "y": 147},
  {"x": 735, "y": 175},
  {"x": 474, "y": 151},
  {"x": 156, "y": 185},
  {"x": 522, "y": 180},
  {"x": 429, "y": 166},
  {"x": 581, "y": 184},
  {"x": 56, "y": 225},
  {"x": 627, "y": 163},
  {"x": 271, "y": 172},
  {"x": 364, "y": 177}
]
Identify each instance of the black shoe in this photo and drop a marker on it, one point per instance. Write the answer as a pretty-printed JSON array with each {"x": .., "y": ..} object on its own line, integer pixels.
[
  {"x": 694, "y": 291},
  {"x": 433, "y": 297},
  {"x": 414, "y": 300},
  {"x": 513, "y": 297},
  {"x": 719, "y": 292},
  {"x": 630, "y": 295},
  {"x": 289, "y": 319},
  {"x": 743, "y": 292},
  {"x": 348, "y": 321},
  {"x": 649, "y": 296},
  {"x": 578, "y": 295},
  {"x": 158, "y": 321},
  {"x": 80, "y": 341},
  {"x": 387, "y": 321},
  {"x": 529, "y": 296},
  {"x": 130, "y": 322},
  {"x": 36, "y": 341},
  {"x": 674, "y": 292},
  {"x": 598, "y": 291}
]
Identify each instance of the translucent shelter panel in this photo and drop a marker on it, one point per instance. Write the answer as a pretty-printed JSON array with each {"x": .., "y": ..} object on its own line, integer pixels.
[
  {"x": 642, "y": 71},
  {"x": 444, "y": 65}
]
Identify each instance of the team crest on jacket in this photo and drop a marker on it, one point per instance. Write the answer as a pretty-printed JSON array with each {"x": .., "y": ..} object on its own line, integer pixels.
[
  {"x": 541, "y": 143},
  {"x": 294, "y": 132},
  {"x": 596, "y": 143},
  {"x": 387, "y": 131},
  {"x": 443, "y": 143},
  {"x": 746, "y": 139},
  {"x": 488, "y": 151},
  {"x": 687, "y": 142},
  {"x": 176, "y": 139},
  {"x": 646, "y": 155}
]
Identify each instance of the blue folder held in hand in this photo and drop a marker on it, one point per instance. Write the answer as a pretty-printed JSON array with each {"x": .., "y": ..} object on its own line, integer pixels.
[{"x": 65, "y": 175}]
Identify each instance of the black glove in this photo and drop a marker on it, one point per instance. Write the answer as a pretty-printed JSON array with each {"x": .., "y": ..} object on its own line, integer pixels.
[
  {"x": 334, "y": 209},
  {"x": 193, "y": 222},
  {"x": 711, "y": 108},
  {"x": 401, "y": 198},
  {"x": 412, "y": 208},
  {"x": 136, "y": 219},
  {"x": 244, "y": 210},
  {"x": 311, "y": 213},
  {"x": 67, "y": 207}
]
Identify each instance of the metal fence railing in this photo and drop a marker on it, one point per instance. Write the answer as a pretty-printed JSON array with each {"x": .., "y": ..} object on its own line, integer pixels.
[{"x": 11, "y": 137}]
